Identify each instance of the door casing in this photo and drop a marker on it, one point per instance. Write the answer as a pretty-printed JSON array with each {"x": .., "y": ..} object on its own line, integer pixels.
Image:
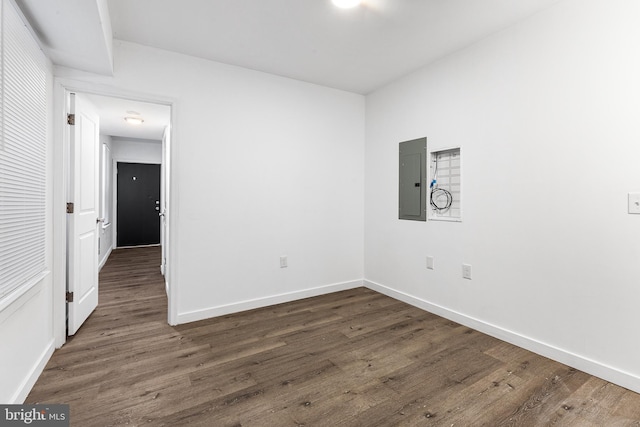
[{"x": 60, "y": 168}]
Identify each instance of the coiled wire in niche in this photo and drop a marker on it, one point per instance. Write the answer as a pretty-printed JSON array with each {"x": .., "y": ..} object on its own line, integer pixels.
[{"x": 440, "y": 199}]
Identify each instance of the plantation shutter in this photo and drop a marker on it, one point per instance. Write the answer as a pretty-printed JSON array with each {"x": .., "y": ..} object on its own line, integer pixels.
[{"x": 23, "y": 139}]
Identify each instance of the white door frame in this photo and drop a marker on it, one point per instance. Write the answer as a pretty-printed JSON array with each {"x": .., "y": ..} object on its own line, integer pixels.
[{"x": 62, "y": 87}]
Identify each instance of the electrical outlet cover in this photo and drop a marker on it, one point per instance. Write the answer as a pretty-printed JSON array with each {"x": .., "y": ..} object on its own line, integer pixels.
[
  {"x": 430, "y": 262},
  {"x": 466, "y": 271},
  {"x": 634, "y": 203}
]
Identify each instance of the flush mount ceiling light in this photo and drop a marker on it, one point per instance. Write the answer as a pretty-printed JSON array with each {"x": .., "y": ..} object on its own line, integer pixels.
[
  {"x": 346, "y": 4},
  {"x": 133, "y": 120}
]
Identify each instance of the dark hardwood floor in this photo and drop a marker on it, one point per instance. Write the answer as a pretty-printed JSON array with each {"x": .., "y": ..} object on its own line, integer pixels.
[{"x": 353, "y": 358}]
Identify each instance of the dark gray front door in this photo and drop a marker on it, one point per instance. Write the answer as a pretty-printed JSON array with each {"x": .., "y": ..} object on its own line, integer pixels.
[{"x": 138, "y": 204}]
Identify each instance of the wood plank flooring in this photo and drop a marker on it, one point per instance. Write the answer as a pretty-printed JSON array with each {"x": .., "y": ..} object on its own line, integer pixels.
[{"x": 353, "y": 358}]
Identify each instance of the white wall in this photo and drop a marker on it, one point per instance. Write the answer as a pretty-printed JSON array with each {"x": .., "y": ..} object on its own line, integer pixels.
[
  {"x": 136, "y": 150},
  {"x": 262, "y": 166},
  {"x": 546, "y": 113}
]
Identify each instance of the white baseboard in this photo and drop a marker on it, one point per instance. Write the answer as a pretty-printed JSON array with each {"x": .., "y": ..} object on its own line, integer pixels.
[
  {"x": 598, "y": 369},
  {"x": 222, "y": 310},
  {"x": 152, "y": 245},
  {"x": 21, "y": 394},
  {"x": 608, "y": 373},
  {"x": 106, "y": 257}
]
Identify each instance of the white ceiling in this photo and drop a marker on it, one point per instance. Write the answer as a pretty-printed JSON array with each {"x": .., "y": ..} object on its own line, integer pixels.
[
  {"x": 357, "y": 50},
  {"x": 112, "y": 112},
  {"x": 75, "y": 33}
]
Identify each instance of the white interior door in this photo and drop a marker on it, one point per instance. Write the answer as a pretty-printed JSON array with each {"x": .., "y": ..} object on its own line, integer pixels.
[
  {"x": 164, "y": 202},
  {"x": 83, "y": 222}
]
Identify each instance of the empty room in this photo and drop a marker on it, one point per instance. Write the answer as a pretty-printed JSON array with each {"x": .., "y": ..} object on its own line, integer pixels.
[{"x": 320, "y": 212}]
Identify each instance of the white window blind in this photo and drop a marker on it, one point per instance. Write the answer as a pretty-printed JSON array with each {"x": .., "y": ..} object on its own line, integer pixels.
[{"x": 23, "y": 138}]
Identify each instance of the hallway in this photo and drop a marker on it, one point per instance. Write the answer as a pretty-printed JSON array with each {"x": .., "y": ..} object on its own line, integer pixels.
[{"x": 96, "y": 369}]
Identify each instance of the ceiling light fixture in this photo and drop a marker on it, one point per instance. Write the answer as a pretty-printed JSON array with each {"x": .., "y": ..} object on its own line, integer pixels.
[
  {"x": 346, "y": 4},
  {"x": 133, "y": 120}
]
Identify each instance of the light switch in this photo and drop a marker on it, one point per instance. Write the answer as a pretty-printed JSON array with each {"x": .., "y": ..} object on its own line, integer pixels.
[{"x": 634, "y": 203}]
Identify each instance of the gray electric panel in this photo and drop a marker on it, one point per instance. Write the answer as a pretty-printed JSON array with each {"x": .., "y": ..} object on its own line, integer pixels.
[{"x": 413, "y": 180}]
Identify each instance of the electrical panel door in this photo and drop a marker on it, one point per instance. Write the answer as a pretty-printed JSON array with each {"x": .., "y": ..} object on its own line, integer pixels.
[{"x": 412, "y": 180}]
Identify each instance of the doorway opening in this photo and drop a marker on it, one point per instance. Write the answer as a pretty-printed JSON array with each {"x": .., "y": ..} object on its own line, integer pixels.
[{"x": 126, "y": 137}]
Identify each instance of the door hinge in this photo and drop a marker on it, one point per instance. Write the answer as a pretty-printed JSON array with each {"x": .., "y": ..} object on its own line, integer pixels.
[
  {"x": 71, "y": 119},
  {"x": 69, "y": 296},
  {"x": 69, "y": 207}
]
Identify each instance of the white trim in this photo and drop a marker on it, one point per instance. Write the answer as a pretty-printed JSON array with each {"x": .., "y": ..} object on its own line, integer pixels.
[
  {"x": 153, "y": 245},
  {"x": 171, "y": 218},
  {"x": 104, "y": 260},
  {"x": 61, "y": 87},
  {"x": 142, "y": 162},
  {"x": 59, "y": 244},
  {"x": 598, "y": 369},
  {"x": 114, "y": 202},
  {"x": 222, "y": 310}
]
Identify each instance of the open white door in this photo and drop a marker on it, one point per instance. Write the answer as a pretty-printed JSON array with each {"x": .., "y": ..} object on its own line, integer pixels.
[
  {"x": 164, "y": 202},
  {"x": 82, "y": 225}
]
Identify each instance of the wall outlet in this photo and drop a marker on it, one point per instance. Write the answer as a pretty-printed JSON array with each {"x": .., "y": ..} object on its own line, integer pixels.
[
  {"x": 430, "y": 262},
  {"x": 466, "y": 271},
  {"x": 283, "y": 261},
  {"x": 634, "y": 203}
]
